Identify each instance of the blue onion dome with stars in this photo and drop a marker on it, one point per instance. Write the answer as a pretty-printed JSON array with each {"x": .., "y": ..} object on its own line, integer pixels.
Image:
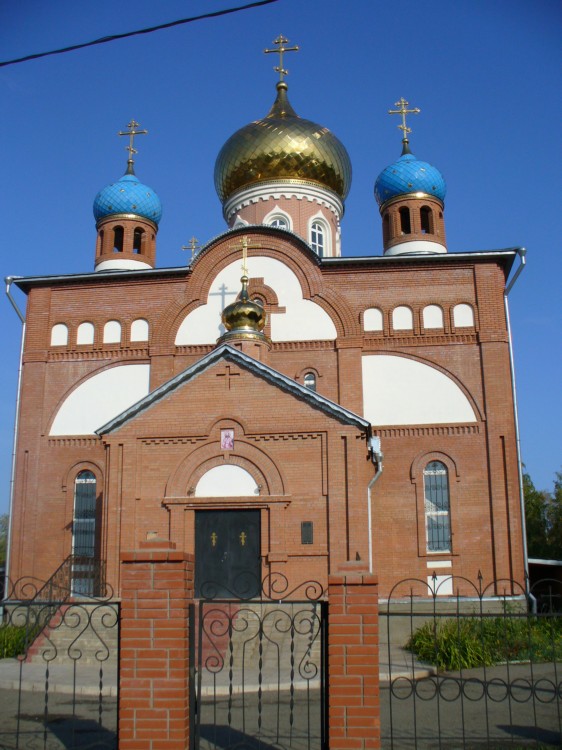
[
  {"x": 128, "y": 196},
  {"x": 409, "y": 175}
]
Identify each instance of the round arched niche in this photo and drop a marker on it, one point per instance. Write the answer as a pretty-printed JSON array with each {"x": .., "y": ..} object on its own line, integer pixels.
[{"x": 227, "y": 480}]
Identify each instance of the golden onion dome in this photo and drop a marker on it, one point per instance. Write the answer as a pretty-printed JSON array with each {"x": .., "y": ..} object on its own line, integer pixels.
[
  {"x": 282, "y": 146},
  {"x": 244, "y": 316}
]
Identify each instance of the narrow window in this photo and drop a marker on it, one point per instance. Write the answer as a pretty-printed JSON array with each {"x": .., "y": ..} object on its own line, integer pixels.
[
  {"x": 117, "y": 239},
  {"x": 138, "y": 237},
  {"x": 84, "y": 525},
  {"x": 310, "y": 381},
  {"x": 437, "y": 510},
  {"x": 317, "y": 238},
  {"x": 386, "y": 228},
  {"x": 426, "y": 217},
  {"x": 405, "y": 226},
  {"x": 307, "y": 532},
  {"x": 100, "y": 242},
  {"x": 84, "y": 534}
]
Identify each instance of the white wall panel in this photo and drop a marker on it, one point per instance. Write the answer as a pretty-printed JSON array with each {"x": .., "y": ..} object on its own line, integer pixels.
[
  {"x": 100, "y": 398},
  {"x": 399, "y": 391}
]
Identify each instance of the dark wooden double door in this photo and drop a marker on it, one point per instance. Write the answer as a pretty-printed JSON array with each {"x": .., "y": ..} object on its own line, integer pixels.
[{"x": 227, "y": 554}]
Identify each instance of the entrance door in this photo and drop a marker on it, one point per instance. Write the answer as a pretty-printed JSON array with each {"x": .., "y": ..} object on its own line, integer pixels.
[{"x": 227, "y": 554}]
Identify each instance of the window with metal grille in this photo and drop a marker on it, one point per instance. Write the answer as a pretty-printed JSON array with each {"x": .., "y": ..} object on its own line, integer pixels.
[
  {"x": 84, "y": 526},
  {"x": 437, "y": 510}
]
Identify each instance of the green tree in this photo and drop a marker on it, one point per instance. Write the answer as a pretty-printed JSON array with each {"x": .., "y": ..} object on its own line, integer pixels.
[
  {"x": 3, "y": 537},
  {"x": 535, "y": 518},
  {"x": 554, "y": 519}
]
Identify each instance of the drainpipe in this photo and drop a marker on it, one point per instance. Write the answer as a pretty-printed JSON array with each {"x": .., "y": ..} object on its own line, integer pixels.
[
  {"x": 521, "y": 251},
  {"x": 376, "y": 457},
  {"x": 9, "y": 281}
]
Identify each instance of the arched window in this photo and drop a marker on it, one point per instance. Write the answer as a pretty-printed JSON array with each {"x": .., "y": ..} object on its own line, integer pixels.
[
  {"x": 84, "y": 534},
  {"x": 372, "y": 319},
  {"x": 139, "y": 330},
  {"x": 386, "y": 227},
  {"x": 405, "y": 224},
  {"x": 437, "y": 507},
  {"x": 432, "y": 317},
  {"x": 402, "y": 318},
  {"x": 99, "y": 250},
  {"x": 309, "y": 381},
  {"x": 59, "y": 335},
  {"x": 426, "y": 219},
  {"x": 138, "y": 239},
  {"x": 318, "y": 238},
  {"x": 463, "y": 316},
  {"x": 279, "y": 221},
  {"x": 117, "y": 239},
  {"x": 112, "y": 332},
  {"x": 85, "y": 333}
]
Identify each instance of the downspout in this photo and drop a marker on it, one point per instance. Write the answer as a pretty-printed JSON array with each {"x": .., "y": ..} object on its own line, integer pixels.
[
  {"x": 521, "y": 251},
  {"x": 9, "y": 281},
  {"x": 376, "y": 457}
]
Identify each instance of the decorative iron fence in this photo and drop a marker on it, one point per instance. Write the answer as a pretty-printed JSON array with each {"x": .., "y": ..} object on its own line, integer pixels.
[
  {"x": 58, "y": 670},
  {"x": 259, "y": 680},
  {"x": 477, "y": 667}
]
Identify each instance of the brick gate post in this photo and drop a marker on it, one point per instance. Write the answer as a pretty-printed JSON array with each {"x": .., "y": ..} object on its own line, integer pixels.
[
  {"x": 353, "y": 661},
  {"x": 156, "y": 589}
]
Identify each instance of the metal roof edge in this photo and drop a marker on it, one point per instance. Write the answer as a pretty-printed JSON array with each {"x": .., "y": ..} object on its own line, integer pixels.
[{"x": 258, "y": 368}]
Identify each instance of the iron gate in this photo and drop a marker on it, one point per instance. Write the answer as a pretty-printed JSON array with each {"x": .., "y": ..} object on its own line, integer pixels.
[
  {"x": 471, "y": 666},
  {"x": 259, "y": 678}
]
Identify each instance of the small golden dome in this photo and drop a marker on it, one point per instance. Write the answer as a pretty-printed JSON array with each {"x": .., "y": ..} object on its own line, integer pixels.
[
  {"x": 282, "y": 146},
  {"x": 244, "y": 316}
]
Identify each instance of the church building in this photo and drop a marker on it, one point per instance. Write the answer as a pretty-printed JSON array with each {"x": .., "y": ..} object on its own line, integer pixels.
[{"x": 275, "y": 407}]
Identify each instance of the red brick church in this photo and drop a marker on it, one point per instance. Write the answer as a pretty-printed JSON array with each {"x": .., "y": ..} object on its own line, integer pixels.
[{"x": 276, "y": 406}]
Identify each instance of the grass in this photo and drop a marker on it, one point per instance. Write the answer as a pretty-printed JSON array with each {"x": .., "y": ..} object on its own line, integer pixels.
[{"x": 467, "y": 642}]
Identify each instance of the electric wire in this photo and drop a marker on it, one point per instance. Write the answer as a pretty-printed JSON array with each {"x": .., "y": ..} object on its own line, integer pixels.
[{"x": 149, "y": 30}]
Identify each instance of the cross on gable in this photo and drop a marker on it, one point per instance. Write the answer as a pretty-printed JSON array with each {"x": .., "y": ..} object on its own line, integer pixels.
[{"x": 228, "y": 375}]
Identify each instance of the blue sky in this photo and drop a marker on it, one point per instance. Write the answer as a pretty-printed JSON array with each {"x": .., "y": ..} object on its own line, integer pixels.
[{"x": 484, "y": 73}]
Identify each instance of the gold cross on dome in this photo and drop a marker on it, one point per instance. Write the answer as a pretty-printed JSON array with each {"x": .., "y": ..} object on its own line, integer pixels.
[
  {"x": 193, "y": 246},
  {"x": 281, "y": 41},
  {"x": 403, "y": 104},
  {"x": 244, "y": 243},
  {"x": 132, "y": 132}
]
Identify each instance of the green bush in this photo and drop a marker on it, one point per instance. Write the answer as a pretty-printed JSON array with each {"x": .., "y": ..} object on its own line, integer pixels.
[
  {"x": 467, "y": 642},
  {"x": 13, "y": 640}
]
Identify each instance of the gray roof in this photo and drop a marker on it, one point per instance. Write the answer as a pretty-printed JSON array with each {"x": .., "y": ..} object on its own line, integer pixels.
[{"x": 259, "y": 369}]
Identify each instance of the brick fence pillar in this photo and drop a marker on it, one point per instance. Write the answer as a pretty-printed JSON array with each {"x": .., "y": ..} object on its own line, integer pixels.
[
  {"x": 156, "y": 589},
  {"x": 353, "y": 661}
]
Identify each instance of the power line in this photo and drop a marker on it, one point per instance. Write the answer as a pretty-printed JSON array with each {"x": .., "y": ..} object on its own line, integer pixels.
[{"x": 115, "y": 37}]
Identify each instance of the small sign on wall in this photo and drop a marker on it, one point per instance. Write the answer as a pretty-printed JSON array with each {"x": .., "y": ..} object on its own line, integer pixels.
[{"x": 227, "y": 440}]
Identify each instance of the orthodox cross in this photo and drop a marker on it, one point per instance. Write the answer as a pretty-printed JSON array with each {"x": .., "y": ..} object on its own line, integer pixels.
[
  {"x": 245, "y": 246},
  {"x": 281, "y": 41},
  {"x": 132, "y": 132},
  {"x": 193, "y": 246},
  {"x": 403, "y": 104}
]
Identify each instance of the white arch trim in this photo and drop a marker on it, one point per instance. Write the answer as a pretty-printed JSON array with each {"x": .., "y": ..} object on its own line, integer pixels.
[
  {"x": 303, "y": 320},
  {"x": 226, "y": 481},
  {"x": 100, "y": 398},
  {"x": 278, "y": 213},
  {"x": 400, "y": 391}
]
